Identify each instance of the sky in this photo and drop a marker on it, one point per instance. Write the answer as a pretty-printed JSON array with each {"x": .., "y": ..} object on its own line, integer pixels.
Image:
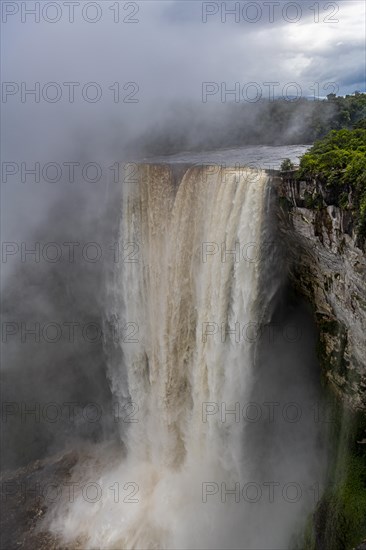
[
  {"x": 105, "y": 71},
  {"x": 149, "y": 53},
  {"x": 142, "y": 56},
  {"x": 170, "y": 47}
]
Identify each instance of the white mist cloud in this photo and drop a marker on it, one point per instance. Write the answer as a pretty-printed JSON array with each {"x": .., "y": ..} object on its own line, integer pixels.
[{"x": 168, "y": 53}]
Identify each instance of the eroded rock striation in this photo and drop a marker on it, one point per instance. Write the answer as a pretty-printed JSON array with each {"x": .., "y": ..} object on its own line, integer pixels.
[{"x": 327, "y": 264}]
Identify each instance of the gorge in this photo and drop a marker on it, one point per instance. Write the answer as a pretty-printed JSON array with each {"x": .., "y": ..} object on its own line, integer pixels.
[
  {"x": 181, "y": 371},
  {"x": 246, "y": 375}
]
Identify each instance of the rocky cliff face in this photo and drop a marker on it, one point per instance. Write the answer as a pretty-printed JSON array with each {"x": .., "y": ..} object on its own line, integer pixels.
[{"x": 328, "y": 266}]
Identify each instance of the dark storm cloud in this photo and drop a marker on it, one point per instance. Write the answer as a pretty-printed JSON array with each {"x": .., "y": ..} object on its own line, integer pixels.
[
  {"x": 169, "y": 52},
  {"x": 354, "y": 77}
]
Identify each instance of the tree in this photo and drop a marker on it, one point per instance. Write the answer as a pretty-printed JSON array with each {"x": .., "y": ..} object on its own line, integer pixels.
[
  {"x": 339, "y": 161},
  {"x": 331, "y": 97},
  {"x": 287, "y": 165}
]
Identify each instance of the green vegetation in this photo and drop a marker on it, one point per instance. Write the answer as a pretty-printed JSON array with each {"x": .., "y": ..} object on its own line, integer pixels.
[
  {"x": 305, "y": 121},
  {"x": 338, "y": 163},
  {"x": 335, "y": 170},
  {"x": 339, "y": 521},
  {"x": 287, "y": 165},
  {"x": 348, "y": 111},
  {"x": 266, "y": 122}
]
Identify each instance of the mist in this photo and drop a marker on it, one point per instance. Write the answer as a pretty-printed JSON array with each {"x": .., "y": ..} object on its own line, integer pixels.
[{"x": 84, "y": 102}]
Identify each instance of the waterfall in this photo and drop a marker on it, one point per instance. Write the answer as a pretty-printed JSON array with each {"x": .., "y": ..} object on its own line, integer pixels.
[
  {"x": 192, "y": 277},
  {"x": 186, "y": 294}
]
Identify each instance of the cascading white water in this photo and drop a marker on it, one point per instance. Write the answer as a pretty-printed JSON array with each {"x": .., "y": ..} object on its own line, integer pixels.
[
  {"x": 185, "y": 291},
  {"x": 185, "y": 278}
]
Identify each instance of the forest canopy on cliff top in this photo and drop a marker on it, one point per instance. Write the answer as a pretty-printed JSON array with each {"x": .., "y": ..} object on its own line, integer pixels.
[{"x": 338, "y": 161}]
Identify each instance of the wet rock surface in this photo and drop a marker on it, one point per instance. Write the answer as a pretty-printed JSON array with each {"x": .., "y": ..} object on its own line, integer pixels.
[
  {"x": 328, "y": 267},
  {"x": 26, "y": 494}
]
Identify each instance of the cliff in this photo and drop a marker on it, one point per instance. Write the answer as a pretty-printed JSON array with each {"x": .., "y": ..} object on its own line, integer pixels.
[
  {"x": 326, "y": 263},
  {"x": 328, "y": 266}
]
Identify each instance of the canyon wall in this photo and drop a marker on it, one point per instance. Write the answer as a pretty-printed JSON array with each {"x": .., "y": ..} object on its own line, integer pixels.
[{"x": 327, "y": 265}]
